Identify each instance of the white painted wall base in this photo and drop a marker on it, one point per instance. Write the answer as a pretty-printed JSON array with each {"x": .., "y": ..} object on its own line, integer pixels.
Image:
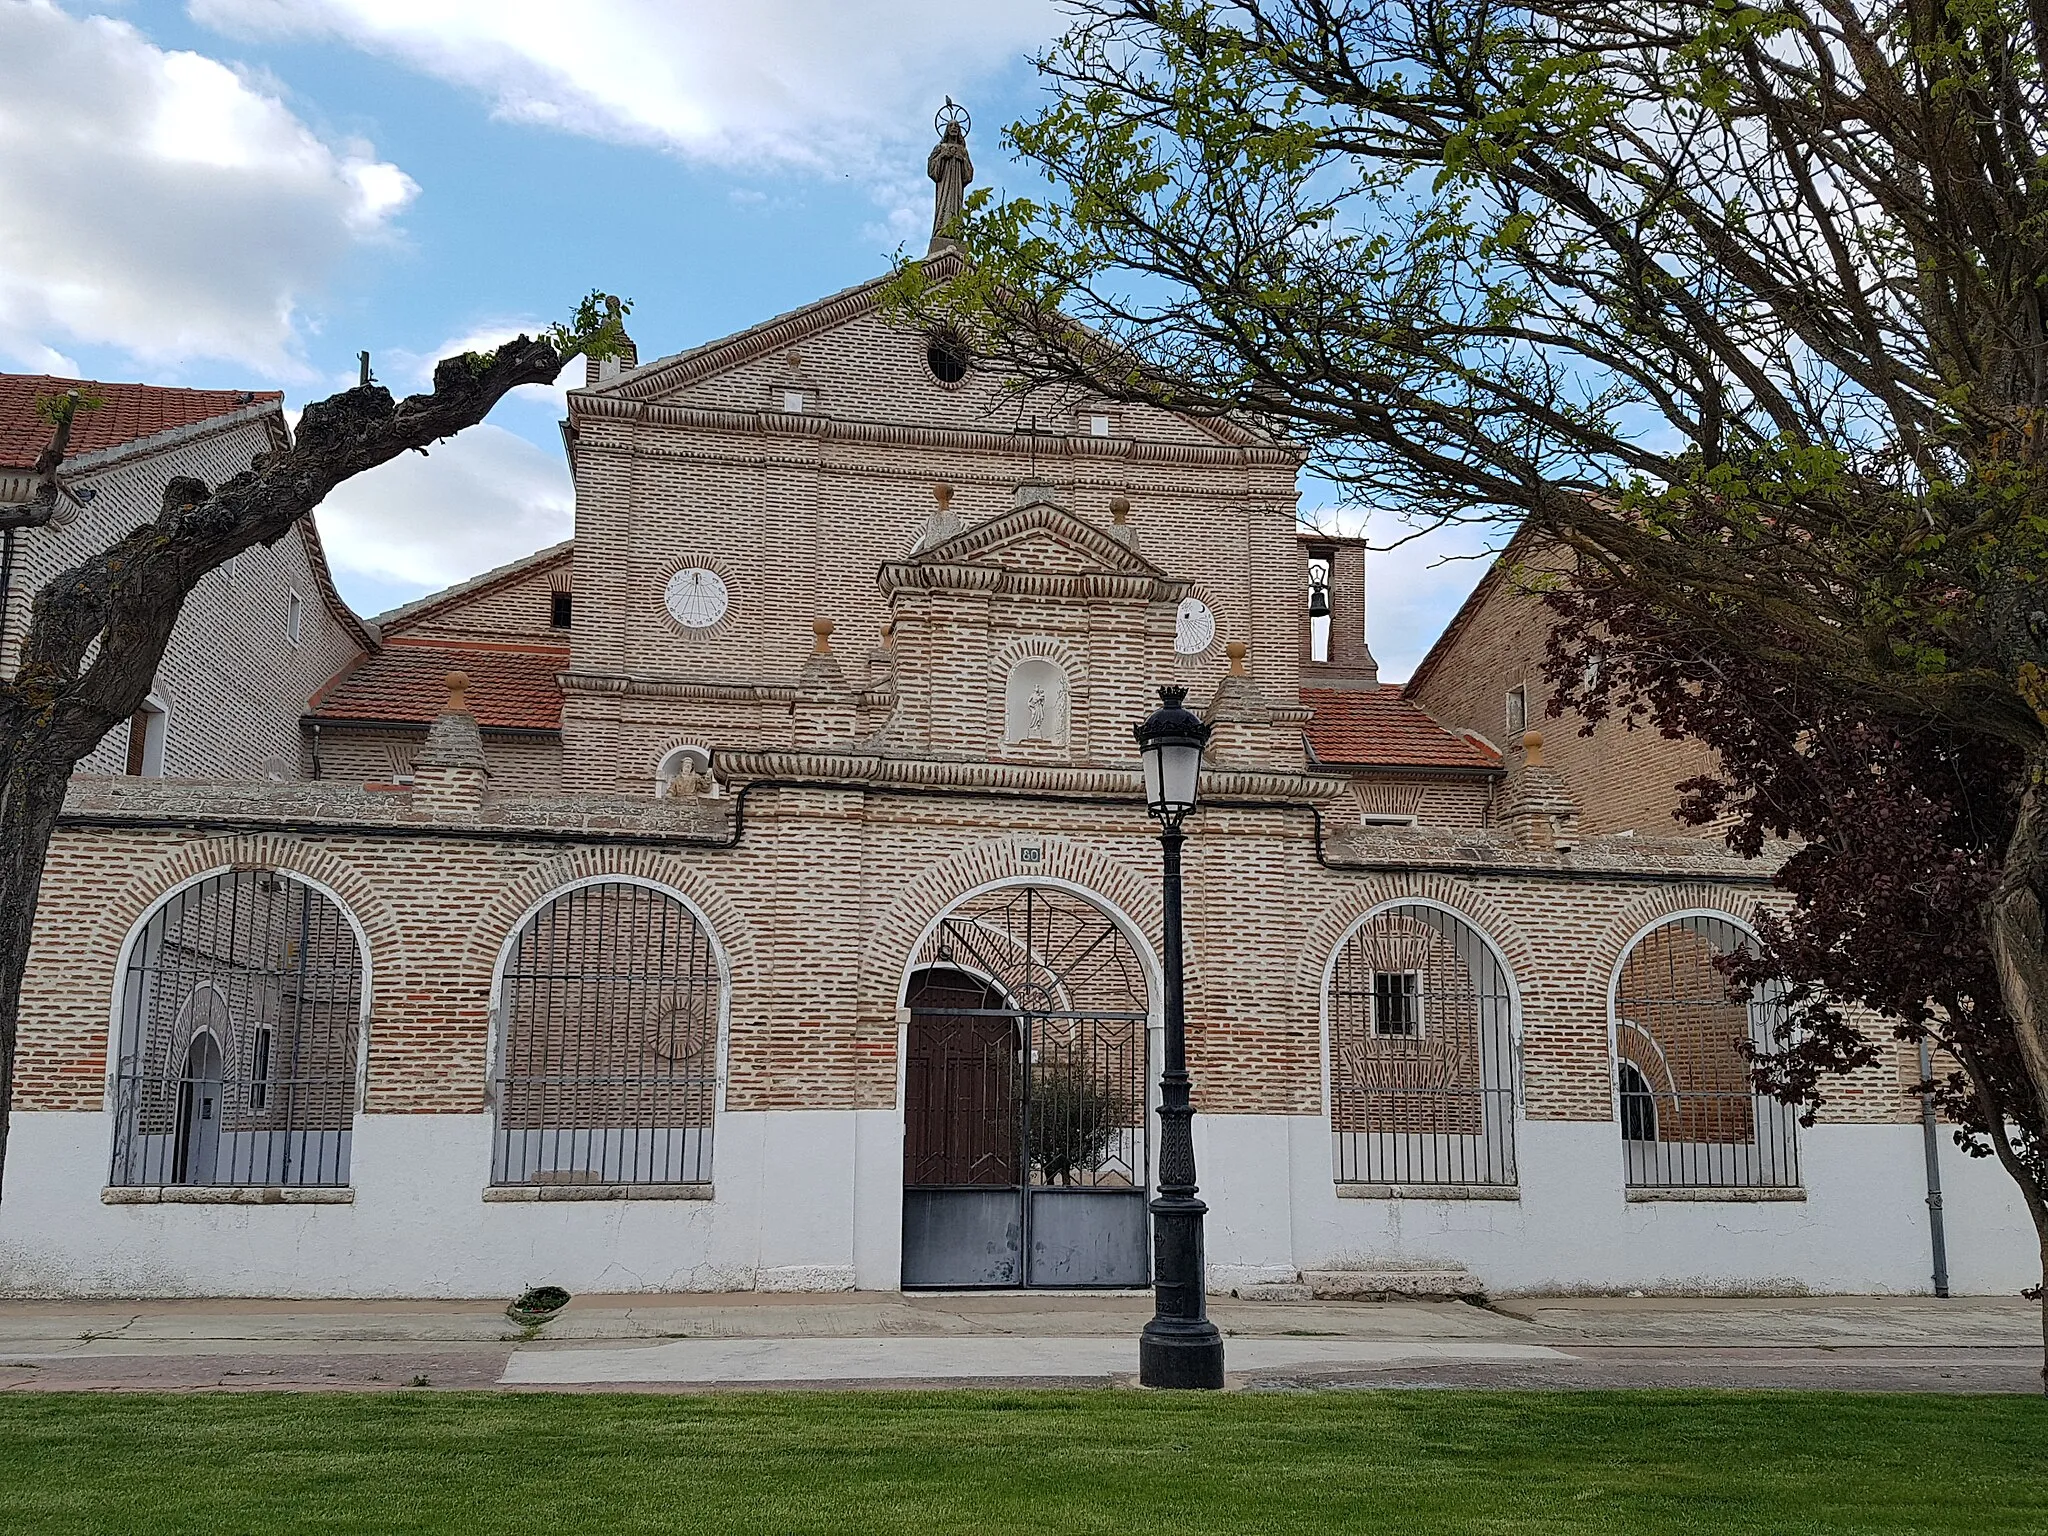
[{"x": 812, "y": 1200}]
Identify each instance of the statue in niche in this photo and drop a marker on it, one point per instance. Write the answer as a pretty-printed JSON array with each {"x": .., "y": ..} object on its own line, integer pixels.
[
  {"x": 685, "y": 775},
  {"x": 1035, "y": 702}
]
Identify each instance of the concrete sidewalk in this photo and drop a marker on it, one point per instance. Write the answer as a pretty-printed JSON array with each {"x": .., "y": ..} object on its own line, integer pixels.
[{"x": 700, "y": 1342}]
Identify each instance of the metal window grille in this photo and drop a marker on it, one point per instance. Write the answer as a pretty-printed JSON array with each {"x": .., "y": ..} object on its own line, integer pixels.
[
  {"x": 1689, "y": 1117},
  {"x": 240, "y": 1036},
  {"x": 608, "y": 1042},
  {"x": 1396, "y": 1003},
  {"x": 1415, "y": 1100}
]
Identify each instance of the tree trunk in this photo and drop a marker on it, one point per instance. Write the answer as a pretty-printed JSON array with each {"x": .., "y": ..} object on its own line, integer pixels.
[
  {"x": 31, "y": 795},
  {"x": 2018, "y": 922}
]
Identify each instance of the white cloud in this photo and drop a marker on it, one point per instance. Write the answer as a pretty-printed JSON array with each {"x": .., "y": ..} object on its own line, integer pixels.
[
  {"x": 404, "y": 372},
  {"x": 823, "y": 84},
  {"x": 160, "y": 203},
  {"x": 476, "y": 501}
]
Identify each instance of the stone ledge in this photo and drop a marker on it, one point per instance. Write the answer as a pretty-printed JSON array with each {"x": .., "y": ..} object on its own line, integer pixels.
[
  {"x": 1737, "y": 1194},
  {"x": 227, "y": 1194},
  {"x": 521, "y": 1193},
  {"x": 1429, "y": 1192}
]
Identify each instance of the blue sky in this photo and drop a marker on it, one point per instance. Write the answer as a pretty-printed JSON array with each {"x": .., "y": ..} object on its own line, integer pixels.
[{"x": 246, "y": 193}]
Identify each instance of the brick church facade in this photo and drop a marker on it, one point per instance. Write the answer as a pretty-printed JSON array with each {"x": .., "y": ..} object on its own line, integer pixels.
[{"x": 757, "y": 893}]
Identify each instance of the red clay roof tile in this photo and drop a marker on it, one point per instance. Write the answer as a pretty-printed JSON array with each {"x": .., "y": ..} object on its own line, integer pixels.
[
  {"x": 131, "y": 411},
  {"x": 1377, "y": 727},
  {"x": 507, "y": 688}
]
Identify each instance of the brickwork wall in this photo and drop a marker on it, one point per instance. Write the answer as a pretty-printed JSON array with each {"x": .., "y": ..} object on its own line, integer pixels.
[
  {"x": 819, "y": 911},
  {"x": 1623, "y": 780},
  {"x": 796, "y": 512},
  {"x": 527, "y": 764},
  {"x": 232, "y": 679}
]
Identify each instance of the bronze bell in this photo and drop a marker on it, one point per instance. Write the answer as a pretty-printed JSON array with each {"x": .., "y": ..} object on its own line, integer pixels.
[{"x": 1318, "y": 596}]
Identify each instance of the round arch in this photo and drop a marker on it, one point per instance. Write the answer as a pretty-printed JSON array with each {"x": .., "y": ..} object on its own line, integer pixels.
[
  {"x": 286, "y": 965},
  {"x": 1682, "y": 1035},
  {"x": 1141, "y": 947},
  {"x": 621, "y": 1081},
  {"x": 1421, "y": 1048}
]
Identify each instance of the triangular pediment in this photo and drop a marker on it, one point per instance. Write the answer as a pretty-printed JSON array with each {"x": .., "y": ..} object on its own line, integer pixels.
[
  {"x": 686, "y": 377},
  {"x": 1042, "y": 536}
]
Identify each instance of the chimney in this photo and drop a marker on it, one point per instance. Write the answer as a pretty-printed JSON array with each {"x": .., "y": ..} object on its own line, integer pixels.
[{"x": 451, "y": 774}]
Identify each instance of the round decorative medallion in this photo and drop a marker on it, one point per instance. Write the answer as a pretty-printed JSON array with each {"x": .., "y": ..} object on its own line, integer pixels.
[
  {"x": 696, "y": 598},
  {"x": 1194, "y": 627}
]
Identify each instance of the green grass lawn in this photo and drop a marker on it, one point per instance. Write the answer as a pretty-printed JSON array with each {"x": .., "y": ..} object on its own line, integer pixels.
[{"x": 1047, "y": 1463}]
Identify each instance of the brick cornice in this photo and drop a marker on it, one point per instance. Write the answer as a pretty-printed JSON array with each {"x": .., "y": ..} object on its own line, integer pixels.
[{"x": 794, "y": 427}]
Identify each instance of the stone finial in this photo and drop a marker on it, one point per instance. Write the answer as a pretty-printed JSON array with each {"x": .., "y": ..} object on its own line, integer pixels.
[
  {"x": 951, "y": 169},
  {"x": 1536, "y": 803},
  {"x": 1235, "y": 650},
  {"x": 1120, "y": 527},
  {"x": 943, "y": 524},
  {"x": 451, "y": 771},
  {"x": 822, "y": 628}
]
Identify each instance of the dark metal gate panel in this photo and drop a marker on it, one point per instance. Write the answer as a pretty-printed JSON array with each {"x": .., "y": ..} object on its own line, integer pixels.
[
  {"x": 1025, "y": 1112},
  {"x": 962, "y": 1239}
]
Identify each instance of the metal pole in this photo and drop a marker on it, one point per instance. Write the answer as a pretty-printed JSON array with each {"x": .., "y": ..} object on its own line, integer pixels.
[
  {"x": 1180, "y": 1347},
  {"x": 1931, "y": 1139}
]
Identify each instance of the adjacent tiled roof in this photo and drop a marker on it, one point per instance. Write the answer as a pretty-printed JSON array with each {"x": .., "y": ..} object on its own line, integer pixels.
[
  {"x": 394, "y": 620},
  {"x": 130, "y": 411},
  {"x": 1378, "y": 728},
  {"x": 509, "y": 687}
]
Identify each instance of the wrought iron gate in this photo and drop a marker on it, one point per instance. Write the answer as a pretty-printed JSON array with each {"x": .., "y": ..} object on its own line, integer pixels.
[{"x": 1025, "y": 1114}]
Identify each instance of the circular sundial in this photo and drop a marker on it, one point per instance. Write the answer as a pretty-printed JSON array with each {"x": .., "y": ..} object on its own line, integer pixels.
[
  {"x": 696, "y": 598},
  {"x": 1194, "y": 627}
]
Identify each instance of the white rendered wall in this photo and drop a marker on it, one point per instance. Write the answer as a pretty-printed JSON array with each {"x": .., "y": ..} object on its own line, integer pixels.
[
  {"x": 812, "y": 1200},
  {"x": 785, "y": 1217},
  {"x": 1862, "y": 1228}
]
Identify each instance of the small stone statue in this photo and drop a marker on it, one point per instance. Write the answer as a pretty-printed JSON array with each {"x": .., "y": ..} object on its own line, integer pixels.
[{"x": 689, "y": 783}]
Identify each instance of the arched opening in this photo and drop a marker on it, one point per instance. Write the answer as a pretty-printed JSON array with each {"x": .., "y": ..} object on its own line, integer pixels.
[
  {"x": 1423, "y": 1065},
  {"x": 240, "y": 1037},
  {"x": 610, "y": 1001},
  {"x": 1638, "y": 1105},
  {"x": 1690, "y": 1118},
  {"x": 1024, "y": 1091}
]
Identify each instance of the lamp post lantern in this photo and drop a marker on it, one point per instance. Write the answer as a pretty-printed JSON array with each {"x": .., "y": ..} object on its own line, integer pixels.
[{"x": 1180, "y": 1347}]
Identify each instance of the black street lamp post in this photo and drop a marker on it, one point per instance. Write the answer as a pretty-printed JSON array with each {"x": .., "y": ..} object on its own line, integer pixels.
[{"x": 1180, "y": 1347}]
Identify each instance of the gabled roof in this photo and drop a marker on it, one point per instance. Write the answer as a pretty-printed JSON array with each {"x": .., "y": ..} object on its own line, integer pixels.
[
  {"x": 397, "y": 620},
  {"x": 510, "y": 687},
  {"x": 1379, "y": 728},
  {"x": 1512, "y": 553},
  {"x": 979, "y": 544},
  {"x": 131, "y": 413},
  {"x": 797, "y": 325}
]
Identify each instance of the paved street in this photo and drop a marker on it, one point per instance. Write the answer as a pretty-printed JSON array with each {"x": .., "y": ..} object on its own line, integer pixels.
[{"x": 696, "y": 1343}]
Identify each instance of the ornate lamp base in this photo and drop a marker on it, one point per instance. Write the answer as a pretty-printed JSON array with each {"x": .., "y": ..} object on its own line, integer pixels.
[{"x": 1174, "y": 1353}]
